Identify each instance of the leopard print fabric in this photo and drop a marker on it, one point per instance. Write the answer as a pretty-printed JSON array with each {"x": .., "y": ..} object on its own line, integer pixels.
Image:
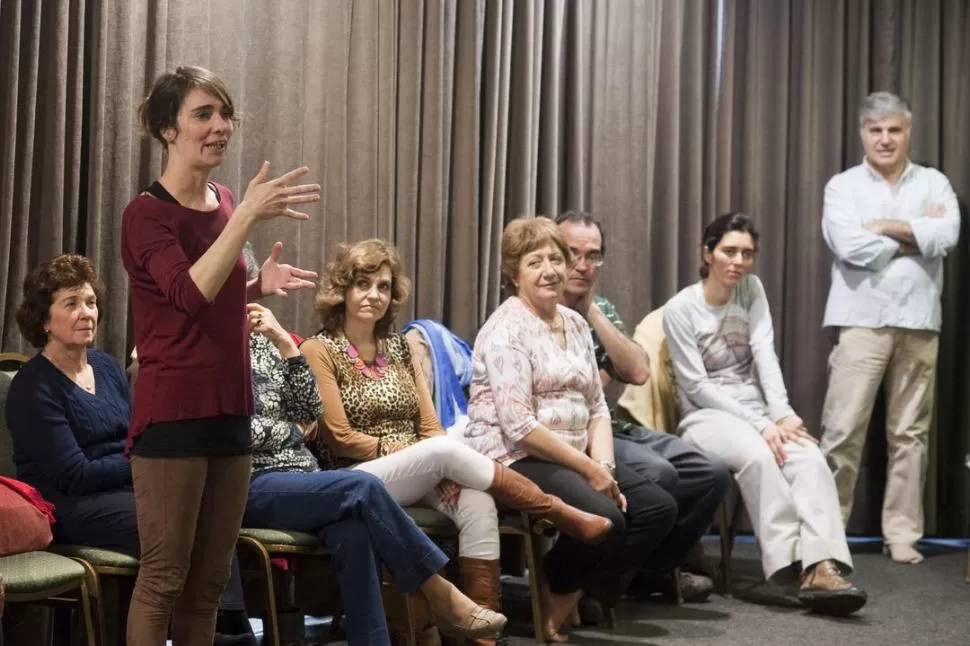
[{"x": 385, "y": 408}]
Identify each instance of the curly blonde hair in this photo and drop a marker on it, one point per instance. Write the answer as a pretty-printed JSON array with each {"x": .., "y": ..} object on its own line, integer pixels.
[{"x": 350, "y": 262}]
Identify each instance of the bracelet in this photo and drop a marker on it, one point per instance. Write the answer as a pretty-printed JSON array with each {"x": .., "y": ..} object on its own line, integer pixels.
[{"x": 610, "y": 466}]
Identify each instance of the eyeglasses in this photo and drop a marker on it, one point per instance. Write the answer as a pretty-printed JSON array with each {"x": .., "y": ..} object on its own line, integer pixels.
[{"x": 592, "y": 259}]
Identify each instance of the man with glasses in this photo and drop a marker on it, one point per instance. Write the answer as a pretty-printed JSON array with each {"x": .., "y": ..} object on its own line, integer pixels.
[{"x": 695, "y": 481}]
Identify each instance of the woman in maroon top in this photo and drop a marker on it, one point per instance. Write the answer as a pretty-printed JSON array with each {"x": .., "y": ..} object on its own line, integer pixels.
[{"x": 189, "y": 437}]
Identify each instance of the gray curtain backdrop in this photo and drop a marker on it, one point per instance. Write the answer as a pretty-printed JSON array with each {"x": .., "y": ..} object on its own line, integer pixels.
[{"x": 434, "y": 122}]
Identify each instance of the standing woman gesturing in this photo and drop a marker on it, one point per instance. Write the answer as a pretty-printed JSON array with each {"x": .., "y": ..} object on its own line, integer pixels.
[{"x": 189, "y": 436}]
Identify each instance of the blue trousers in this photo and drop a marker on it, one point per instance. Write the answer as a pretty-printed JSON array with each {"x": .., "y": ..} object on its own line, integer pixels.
[
  {"x": 357, "y": 519},
  {"x": 696, "y": 481}
]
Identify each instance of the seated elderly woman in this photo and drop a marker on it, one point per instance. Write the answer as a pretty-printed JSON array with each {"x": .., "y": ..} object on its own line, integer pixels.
[
  {"x": 536, "y": 405},
  {"x": 378, "y": 417},
  {"x": 68, "y": 411},
  {"x": 351, "y": 511},
  {"x": 734, "y": 406}
]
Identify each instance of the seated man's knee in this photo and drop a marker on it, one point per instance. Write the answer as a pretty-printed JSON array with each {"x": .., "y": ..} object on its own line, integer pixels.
[
  {"x": 665, "y": 475},
  {"x": 651, "y": 507},
  {"x": 721, "y": 477}
]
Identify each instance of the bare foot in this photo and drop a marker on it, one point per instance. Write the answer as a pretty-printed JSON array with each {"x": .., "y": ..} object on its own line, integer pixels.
[
  {"x": 903, "y": 553},
  {"x": 574, "y": 619}
]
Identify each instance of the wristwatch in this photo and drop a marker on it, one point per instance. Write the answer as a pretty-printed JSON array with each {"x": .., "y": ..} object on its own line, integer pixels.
[{"x": 610, "y": 466}]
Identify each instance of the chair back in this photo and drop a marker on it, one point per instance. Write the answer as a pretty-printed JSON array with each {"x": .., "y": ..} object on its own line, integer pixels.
[
  {"x": 654, "y": 404},
  {"x": 10, "y": 362}
]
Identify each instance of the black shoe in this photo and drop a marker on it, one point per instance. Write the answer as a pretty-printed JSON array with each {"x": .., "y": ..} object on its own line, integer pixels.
[
  {"x": 694, "y": 588},
  {"x": 233, "y": 629},
  {"x": 591, "y": 611}
]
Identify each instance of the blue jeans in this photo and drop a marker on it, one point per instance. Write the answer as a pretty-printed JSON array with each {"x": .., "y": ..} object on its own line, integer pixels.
[{"x": 357, "y": 519}]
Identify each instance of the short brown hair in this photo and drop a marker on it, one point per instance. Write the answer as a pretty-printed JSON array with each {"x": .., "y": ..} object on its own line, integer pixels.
[
  {"x": 351, "y": 261},
  {"x": 66, "y": 271},
  {"x": 160, "y": 109},
  {"x": 525, "y": 235}
]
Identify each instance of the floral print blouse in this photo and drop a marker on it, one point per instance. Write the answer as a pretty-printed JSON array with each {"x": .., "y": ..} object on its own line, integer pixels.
[
  {"x": 284, "y": 394},
  {"x": 522, "y": 378}
]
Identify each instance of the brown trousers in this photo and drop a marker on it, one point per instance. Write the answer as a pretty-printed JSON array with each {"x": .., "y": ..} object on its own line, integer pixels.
[
  {"x": 904, "y": 363},
  {"x": 189, "y": 513}
]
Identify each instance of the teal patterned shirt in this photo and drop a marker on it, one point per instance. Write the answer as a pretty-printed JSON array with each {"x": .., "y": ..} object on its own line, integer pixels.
[{"x": 603, "y": 360}]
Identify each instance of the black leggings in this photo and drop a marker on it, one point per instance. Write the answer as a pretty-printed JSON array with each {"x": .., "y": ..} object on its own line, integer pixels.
[{"x": 603, "y": 571}]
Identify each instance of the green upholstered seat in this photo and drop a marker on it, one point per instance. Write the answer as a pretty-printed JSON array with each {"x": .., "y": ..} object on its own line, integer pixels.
[
  {"x": 280, "y": 537},
  {"x": 34, "y": 572},
  {"x": 96, "y": 556},
  {"x": 430, "y": 519}
]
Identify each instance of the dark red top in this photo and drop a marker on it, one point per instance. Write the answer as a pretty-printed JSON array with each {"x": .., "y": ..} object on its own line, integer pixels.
[{"x": 193, "y": 356}]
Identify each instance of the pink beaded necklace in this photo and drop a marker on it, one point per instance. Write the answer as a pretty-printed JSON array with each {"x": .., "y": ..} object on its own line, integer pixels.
[{"x": 375, "y": 371}]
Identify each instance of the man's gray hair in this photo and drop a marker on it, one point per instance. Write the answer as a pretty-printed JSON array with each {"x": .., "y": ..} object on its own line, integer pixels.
[{"x": 882, "y": 105}]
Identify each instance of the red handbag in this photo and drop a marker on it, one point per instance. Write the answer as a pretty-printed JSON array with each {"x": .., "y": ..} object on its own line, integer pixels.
[{"x": 25, "y": 518}]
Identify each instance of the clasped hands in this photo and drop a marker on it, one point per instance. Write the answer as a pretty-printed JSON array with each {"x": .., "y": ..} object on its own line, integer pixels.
[
  {"x": 787, "y": 429},
  {"x": 600, "y": 479}
]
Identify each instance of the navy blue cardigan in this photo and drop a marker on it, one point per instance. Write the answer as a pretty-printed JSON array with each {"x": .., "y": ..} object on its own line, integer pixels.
[{"x": 68, "y": 442}]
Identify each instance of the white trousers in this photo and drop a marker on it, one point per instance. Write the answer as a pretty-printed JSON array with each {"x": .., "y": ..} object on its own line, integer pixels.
[
  {"x": 794, "y": 508},
  {"x": 411, "y": 475}
]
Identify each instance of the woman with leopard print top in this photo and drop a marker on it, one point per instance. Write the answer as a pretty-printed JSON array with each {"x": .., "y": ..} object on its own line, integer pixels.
[
  {"x": 379, "y": 417},
  {"x": 350, "y": 511}
]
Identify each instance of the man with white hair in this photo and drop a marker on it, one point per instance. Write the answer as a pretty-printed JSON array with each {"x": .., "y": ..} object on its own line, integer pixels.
[{"x": 889, "y": 223}]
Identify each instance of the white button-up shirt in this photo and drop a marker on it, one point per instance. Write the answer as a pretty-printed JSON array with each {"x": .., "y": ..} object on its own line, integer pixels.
[{"x": 872, "y": 286}]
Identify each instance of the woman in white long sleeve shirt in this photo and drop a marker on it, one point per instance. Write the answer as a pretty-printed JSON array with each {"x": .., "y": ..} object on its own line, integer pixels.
[{"x": 734, "y": 405}]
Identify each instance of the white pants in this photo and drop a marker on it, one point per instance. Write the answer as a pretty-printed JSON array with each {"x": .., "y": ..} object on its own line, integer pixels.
[
  {"x": 794, "y": 508},
  {"x": 411, "y": 475}
]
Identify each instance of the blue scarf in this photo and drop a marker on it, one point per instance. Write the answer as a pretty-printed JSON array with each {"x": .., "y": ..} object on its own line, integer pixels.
[{"x": 452, "y": 359}]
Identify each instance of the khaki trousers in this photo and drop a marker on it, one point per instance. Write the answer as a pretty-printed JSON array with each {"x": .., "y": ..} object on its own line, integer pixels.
[{"x": 862, "y": 360}]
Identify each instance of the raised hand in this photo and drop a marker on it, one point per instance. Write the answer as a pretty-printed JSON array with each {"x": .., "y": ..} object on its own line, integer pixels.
[
  {"x": 272, "y": 198},
  {"x": 263, "y": 321},
  {"x": 279, "y": 279}
]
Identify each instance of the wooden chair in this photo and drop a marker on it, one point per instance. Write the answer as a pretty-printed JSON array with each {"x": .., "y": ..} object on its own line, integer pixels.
[
  {"x": 654, "y": 405},
  {"x": 520, "y": 524},
  {"x": 11, "y": 361}
]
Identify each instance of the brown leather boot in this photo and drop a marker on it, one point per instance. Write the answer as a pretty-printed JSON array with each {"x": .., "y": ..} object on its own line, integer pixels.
[
  {"x": 482, "y": 584},
  {"x": 825, "y": 591},
  {"x": 519, "y": 493}
]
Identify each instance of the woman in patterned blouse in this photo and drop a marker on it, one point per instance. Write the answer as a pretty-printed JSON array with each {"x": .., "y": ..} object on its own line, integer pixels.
[
  {"x": 537, "y": 406},
  {"x": 350, "y": 511},
  {"x": 378, "y": 417}
]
